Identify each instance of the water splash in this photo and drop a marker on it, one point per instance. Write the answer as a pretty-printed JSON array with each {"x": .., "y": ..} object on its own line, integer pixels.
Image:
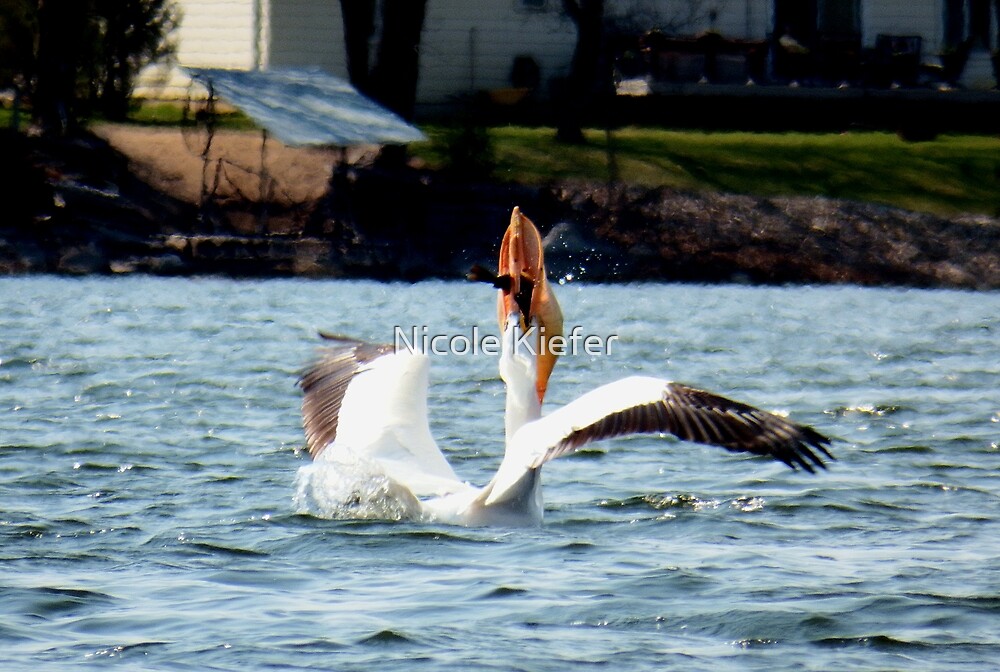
[{"x": 343, "y": 485}]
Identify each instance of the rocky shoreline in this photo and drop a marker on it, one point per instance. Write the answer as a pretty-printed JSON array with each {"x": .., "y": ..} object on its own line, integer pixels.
[{"x": 78, "y": 207}]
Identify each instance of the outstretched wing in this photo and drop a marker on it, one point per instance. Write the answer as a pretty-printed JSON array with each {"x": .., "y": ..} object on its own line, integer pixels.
[
  {"x": 640, "y": 405},
  {"x": 371, "y": 400},
  {"x": 324, "y": 384}
]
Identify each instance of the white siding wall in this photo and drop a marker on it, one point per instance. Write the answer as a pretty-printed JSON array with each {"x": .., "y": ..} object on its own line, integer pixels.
[
  {"x": 760, "y": 18},
  {"x": 470, "y": 46},
  {"x": 305, "y": 33},
  {"x": 903, "y": 17},
  {"x": 212, "y": 34},
  {"x": 217, "y": 33},
  {"x": 742, "y": 19}
]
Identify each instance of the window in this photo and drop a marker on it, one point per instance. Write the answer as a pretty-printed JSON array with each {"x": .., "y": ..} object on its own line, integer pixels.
[{"x": 839, "y": 17}]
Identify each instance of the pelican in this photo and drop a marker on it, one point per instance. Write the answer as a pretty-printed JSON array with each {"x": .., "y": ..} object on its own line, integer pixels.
[{"x": 364, "y": 412}]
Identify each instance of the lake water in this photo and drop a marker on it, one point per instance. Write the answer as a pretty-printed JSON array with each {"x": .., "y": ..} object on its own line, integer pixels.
[{"x": 149, "y": 431}]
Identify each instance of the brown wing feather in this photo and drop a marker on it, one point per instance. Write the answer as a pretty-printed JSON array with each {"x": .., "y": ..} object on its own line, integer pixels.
[
  {"x": 696, "y": 415},
  {"x": 325, "y": 382}
]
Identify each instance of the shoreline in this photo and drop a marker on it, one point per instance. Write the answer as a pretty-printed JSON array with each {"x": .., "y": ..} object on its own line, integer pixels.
[{"x": 85, "y": 206}]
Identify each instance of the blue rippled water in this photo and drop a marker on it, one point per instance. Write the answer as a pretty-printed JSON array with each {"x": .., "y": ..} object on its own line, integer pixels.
[{"x": 148, "y": 448}]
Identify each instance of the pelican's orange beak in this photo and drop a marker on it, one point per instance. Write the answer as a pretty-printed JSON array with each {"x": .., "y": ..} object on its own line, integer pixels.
[{"x": 529, "y": 295}]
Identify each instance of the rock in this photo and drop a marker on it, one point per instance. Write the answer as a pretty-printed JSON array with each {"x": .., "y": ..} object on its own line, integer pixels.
[
  {"x": 83, "y": 260},
  {"x": 25, "y": 257},
  {"x": 163, "y": 264},
  {"x": 312, "y": 257},
  {"x": 178, "y": 243}
]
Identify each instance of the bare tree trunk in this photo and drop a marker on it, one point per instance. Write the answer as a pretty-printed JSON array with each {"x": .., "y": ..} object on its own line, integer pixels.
[
  {"x": 359, "y": 25},
  {"x": 578, "y": 89},
  {"x": 394, "y": 78},
  {"x": 59, "y": 24}
]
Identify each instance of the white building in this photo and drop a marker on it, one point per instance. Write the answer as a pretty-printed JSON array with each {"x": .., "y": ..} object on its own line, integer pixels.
[{"x": 470, "y": 45}]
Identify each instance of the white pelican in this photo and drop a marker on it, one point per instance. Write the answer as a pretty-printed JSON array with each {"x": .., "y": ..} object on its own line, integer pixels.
[{"x": 365, "y": 411}]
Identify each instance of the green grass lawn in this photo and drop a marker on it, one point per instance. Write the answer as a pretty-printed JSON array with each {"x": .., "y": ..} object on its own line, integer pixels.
[
  {"x": 172, "y": 114},
  {"x": 158, "y": 114},
  {"x": 950, "y": 175},
  {"x": 7, "y": 116}
]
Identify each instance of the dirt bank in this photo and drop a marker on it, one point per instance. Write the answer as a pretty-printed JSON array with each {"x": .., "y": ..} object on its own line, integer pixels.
[{"x": 173, "y": 161}]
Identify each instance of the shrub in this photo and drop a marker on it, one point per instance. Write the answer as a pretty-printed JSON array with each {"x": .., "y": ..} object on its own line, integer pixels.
[{"x": 80, "y": 56}]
